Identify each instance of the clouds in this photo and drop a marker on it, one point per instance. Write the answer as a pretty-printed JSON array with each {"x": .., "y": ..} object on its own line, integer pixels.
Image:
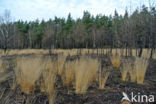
[{"x": 33, "y": 9}]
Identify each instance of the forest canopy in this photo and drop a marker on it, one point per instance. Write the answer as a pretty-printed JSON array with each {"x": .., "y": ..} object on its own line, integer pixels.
[{"x": 135, "y": 30}]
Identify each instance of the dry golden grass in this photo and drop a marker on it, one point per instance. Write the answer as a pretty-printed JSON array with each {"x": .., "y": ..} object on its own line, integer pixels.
[
  {"x": 154, "y": 55},
  {"x": 50, "y": 64},
  {"x": 5, "y": 76},
  {"x": 146, "y": 53},
  {"x": 28, "y": 70},
  {"x": 4, "y": 65},
  {"x": 141, "y": 67},
  {"x": 102, "y": 79},
  {"x": 132, "y": 72},
  {"x": 12, "y": 83},
  {"x": 69, "y": 73},
  {"x": 124, "y": 70},
  {"x": 48, "y": 80},
  {"x": 60, "y": 63},
  {"x": 23, "y": 52},
  {"x": 72, "y": 52},
  {"x": 1, "y": 52},
  {"x": 115, "y": 59},
  {"x": 1, "y": 66},
  {"x": 85, "y": 70}
]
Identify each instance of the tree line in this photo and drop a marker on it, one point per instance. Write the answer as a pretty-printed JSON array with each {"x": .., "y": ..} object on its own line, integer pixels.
[{"x": 129, "y": 31}]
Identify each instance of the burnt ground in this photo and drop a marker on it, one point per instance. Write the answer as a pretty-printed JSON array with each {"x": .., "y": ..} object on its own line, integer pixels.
[{"x": 112, "y": 94}]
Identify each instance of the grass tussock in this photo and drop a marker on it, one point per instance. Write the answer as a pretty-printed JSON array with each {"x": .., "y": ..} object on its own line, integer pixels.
[
  {"x": 60, "y": 63},
  {"x": 132, "y": 72},
  {"x": 28, "y": 71},
  {"x": 154, "y": 55},
  {"x": 115, "y": 59},
  {"x": 3, "y": 65},
  {"x": 69, "y": 73},
  {"x": 48, "y": 81},
  {"x": 50, "y": 64},
  {"x": 141, "y": 67},
  {"x": 146, "y": 53},
  {"x": 124, "y": 70},
  {"x": 85, "y": 70},
  {"x": 102, "y": 79}
]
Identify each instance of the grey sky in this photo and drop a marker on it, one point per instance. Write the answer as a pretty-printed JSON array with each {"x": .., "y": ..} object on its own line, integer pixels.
[{"x": 45, "y": 9}]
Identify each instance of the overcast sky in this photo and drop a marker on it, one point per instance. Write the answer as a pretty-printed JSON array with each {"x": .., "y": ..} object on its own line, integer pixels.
[{"x": 45, "y": 9}]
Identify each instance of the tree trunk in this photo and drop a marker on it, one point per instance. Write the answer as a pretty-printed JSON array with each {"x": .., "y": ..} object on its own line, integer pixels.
[{"x": 140, "y": 52}]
